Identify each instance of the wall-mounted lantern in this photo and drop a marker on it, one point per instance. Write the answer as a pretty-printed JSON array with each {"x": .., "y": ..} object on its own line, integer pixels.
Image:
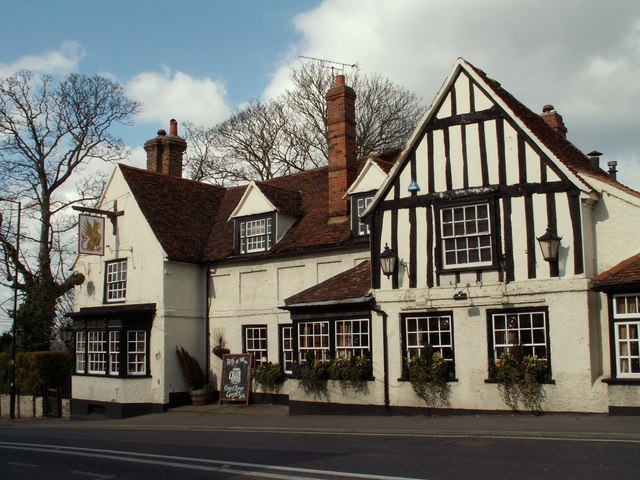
[
  {"x": 388, "y": 259},
  {"x": 549, "y": 244}
]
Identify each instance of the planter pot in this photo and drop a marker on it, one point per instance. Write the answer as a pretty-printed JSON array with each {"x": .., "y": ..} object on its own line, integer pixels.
[{"x": 202, "y": 396}]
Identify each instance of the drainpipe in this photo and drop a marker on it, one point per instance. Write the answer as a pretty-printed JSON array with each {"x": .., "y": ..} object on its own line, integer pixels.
[
  {"x": 206, "y": 321},
  {"x": 385, "y": 355}
]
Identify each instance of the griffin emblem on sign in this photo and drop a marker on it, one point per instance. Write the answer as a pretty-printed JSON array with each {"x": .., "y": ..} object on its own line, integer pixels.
[{"x": 91, "y": 236}]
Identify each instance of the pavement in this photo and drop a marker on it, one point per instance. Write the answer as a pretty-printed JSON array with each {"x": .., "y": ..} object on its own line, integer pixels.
[{"x": 234, "y": 417}]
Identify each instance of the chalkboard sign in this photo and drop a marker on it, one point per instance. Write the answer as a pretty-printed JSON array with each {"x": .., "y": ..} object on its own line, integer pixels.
[{"x": 235, "y": 381}]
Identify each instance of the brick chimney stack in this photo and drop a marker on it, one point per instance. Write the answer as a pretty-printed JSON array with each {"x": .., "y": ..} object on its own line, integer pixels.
[
  {"x": 164, "y": 153},
  {"x": 554, "y": 120},
  {"x": 341, "y": 138}
]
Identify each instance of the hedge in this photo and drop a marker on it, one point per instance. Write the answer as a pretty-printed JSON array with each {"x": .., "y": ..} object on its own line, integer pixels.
[{"x": 35, "y": 371}]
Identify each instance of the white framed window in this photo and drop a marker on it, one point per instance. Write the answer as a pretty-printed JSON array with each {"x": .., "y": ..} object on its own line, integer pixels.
[
  {"x": 286, "y": 348},
  {"x": 96, "y": 352},
  {"x": 114, "y": 352},
  {"x": 116, "y": 281},
  {"x": 352, "y": 338},
  {"x": 466, "y": 236},
  {"x": 255, "y": 235},
  {"x": 255, "y": 342},
  {"x": 313, "y": 337},
  {"x": 434, "y": 330},
  {"x": 526, "y": 328},
  {"x": 626, "y": 320},
  {"x": 137, "y": 352},
  {"x": 81, "y": 352},
  {"x": 360, "y": 203}
]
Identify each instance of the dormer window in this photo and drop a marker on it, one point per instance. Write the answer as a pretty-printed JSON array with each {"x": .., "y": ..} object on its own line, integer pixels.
[
  {"x": 255, "y": 234},
  {"x": 358, "y": 204}
]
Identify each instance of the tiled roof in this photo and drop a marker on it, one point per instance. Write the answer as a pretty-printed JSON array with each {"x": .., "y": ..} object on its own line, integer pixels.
[
  {"x": 563, "y": 149},
  {"x": 180, "y": 212},
  {"x": 350, "y": 285},
  {"x": 624, "y": 273},
  {"x": 191, "y": 219},
  {"x": 285, "y": 200}
]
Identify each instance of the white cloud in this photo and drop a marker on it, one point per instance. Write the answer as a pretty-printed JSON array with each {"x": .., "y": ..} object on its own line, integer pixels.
[
  {"x": 63, "y": 60},
  {"x": 581, "y": 56},
  {"x": 165, "y": 95}
]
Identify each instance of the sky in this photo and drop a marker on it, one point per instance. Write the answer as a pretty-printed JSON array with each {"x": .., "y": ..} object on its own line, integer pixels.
[{"x": 199, "y": 61}]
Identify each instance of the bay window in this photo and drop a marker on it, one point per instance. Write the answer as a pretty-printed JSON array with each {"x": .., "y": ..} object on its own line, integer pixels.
[{"x": 626, "y": 328}]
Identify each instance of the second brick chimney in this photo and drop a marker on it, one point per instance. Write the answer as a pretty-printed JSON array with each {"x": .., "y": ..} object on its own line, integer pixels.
[
  {"x": 341, "y": 138},
  {"x": 554, "y": 120},
  {"x": 164, "y": 153}
]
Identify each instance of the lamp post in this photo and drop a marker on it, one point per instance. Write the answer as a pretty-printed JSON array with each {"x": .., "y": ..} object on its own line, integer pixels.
[{"x": 12, "y": 387}]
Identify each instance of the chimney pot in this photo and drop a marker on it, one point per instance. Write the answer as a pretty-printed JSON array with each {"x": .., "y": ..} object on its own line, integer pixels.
[
  {"x": 173, "y": 127},
  {"x": 548, "y": 108},
  {"x": 339, "y": 79},
  {"x": 594, "y": 158},
  {"x": 612, "y": 169},
  {"x": 162, "y": 132}
]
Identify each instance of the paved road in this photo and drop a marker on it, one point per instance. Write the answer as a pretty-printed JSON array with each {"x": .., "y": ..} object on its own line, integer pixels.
[{"x": 237, "y": 442}]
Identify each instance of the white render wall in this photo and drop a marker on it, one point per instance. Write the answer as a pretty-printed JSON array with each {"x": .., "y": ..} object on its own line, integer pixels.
[
  {"x": 577, "y": 388},
  {"x": 177, "y": 289},
  {"x": 250, "y": 293}
]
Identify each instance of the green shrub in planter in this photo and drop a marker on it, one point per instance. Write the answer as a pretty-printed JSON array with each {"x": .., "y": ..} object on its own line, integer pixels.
[
  {"x": 428, "y": 374},
  {"x": 520, "y": 379},
  {"x": 268, "y": 376},
  {"x": 313, "y": 376},
  {"x": 351, "y": 372}
]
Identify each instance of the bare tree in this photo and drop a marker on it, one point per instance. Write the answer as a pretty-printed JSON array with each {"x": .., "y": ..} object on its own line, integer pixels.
[
  {"x": 49, "y": 132},
  {"x": 288, "y": 134}
]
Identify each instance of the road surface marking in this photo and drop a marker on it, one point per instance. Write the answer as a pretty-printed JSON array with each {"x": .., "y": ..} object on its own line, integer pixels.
[{"x": 254, "y": 469}]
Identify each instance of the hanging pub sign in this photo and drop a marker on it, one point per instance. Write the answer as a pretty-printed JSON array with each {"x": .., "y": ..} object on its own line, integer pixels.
[
  {"x": 90, "y": 235},
  {"x": 235, "y": 381}
]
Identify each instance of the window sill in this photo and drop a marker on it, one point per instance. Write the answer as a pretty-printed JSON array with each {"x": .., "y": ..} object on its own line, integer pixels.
[
  {"x": 450, "y": 380},
  {"x": 104, "y": 375},
  {"x": 621, "y": 381},
  {"x": 546, "y": 382}
]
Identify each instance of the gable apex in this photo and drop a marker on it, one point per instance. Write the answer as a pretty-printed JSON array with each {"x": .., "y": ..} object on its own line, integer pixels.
[
  {"x": 369, "y": 179},
  {"x": 253, "y": 202}
]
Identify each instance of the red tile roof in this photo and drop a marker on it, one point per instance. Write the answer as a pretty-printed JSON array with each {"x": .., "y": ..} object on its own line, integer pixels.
[
  {"x": 191, "y": 219},
  {"x": 180, "y": 212},
  {"x": 624, "y": 273},
  {"x": 353, "y": 284},
  {"x": 563, "y": 149}
]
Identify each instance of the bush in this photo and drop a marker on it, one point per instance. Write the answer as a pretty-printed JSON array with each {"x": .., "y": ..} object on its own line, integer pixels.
[
  {"x": 428, "y": 374},
  {"x": 313, "y": 376},
  {"x": 36, "y": 371},
  {"x": 520, "y": 379},
  {"x": 268, "y": 376},
  {"x": 351, "y": 372}
]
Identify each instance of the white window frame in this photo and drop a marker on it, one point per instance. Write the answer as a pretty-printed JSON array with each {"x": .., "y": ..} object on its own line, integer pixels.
[
  {"x": 435, "y": 330},
  {"x": 81, "y": 349},
  {"x": 136, "y": 352},
  {"x": 360, "y": 204},
  {"x": 314, "y": 337},
  {"x": 352, "y": 338},
  {"x": 287, "y": 348},
  {"x": 114, "y": 352},
  {"x": 255, "y": 234},
  {"x": 116, "y": 281},
  {"x": 96, "y": 352},
  {"x": 255, "y": 342},
  {"x": 465, "y": 234},
  {"x": 626, "y": 327},
  {"x": 511, "y": 328}
]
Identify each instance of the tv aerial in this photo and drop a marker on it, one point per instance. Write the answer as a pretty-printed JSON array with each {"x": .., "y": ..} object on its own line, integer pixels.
[{"x": 333, "y": 65}]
